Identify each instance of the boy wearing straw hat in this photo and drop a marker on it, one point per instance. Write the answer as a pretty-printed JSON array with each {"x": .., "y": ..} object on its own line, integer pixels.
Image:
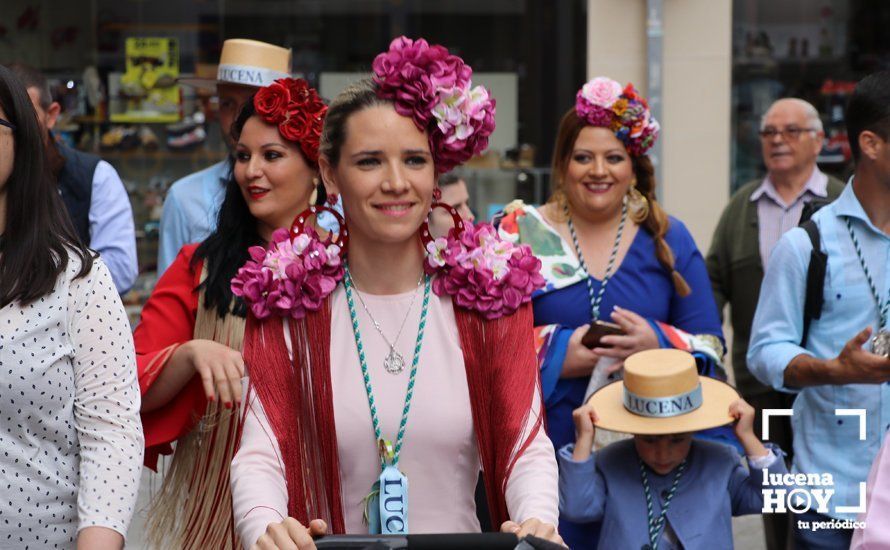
[{"x": 664, "y": 489}]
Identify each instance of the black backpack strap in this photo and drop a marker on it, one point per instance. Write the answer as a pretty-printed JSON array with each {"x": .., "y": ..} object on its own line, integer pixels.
[{"x": 814, "y": 297}]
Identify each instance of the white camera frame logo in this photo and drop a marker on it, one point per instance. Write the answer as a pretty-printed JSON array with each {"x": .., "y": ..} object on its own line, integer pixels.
[{"x": 800, "y": 500}]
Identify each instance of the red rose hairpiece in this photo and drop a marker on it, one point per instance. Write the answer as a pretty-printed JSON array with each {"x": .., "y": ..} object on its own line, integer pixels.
[{"x": 296, "y": 109}]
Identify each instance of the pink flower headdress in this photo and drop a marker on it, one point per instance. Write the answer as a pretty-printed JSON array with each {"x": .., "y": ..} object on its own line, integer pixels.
[
  {"x": 602, "y": 102},
  {"x": 481, "y": 272},
  {"x": 433, "y": 87}
]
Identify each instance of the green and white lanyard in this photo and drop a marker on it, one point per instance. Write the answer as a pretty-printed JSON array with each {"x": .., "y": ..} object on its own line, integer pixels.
[
  {"x": 597, "y": 298},
  {"x": 656, "y": 524},
  {"x": 388, "y": 514}
]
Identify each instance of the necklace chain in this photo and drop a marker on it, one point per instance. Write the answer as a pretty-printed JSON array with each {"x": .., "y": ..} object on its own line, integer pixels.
[
  {"x": 366, "y": 375},
  {"x": 883, "y": 306},
  {"x": 361, "y": 300},
  {"x": 656, "y": 524},
  {"x": 597, "y": 298}
]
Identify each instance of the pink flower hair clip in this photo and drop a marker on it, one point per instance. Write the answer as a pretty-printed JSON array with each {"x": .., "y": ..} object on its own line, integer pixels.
[
  {"x": 481, "y": 272},
  {"x": 433, "y": 87}
]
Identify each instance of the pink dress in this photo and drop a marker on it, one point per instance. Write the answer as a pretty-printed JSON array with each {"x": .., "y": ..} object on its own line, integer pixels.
[
  {"x": 439, "y": 454},
  {"x": 876, "y": 534}
]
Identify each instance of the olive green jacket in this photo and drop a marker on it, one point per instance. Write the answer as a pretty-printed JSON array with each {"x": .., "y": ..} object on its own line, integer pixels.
[{"x": 736, "y": 272}]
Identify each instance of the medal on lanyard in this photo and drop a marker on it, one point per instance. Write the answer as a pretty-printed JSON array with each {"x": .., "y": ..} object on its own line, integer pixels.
[
  {"x": 386, "y": 506},
  {"x": 880, "y": 343}
]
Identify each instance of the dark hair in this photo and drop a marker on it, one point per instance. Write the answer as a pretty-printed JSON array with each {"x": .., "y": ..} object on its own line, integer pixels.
[
  {"x": 449, "y": 179},
  {"x": 32, "y": 78},
  {"x": 869, "y": 109},
  {"x": 39, "y": 235},
  {"x": 656, "y": 223},
  {"x": 355, "y": 97},
  {"x": 225, "y": 250}
]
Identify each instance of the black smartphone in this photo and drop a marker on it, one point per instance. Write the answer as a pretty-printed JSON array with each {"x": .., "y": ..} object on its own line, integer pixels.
[{"x": 597, "y": 330}]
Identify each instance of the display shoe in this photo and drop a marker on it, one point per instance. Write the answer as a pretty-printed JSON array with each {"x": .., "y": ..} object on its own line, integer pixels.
[{"x": 187, "y": 140}]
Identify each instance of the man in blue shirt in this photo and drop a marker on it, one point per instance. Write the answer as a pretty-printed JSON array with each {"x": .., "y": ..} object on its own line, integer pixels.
[
  {"x": 93, "y": 193},
  {"x": 838, "y": 374},
  {"x": 192, "y": 203}
]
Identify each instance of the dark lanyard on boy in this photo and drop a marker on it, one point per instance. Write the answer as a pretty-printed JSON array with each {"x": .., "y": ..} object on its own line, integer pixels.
[{"x": 656, "y": 524}]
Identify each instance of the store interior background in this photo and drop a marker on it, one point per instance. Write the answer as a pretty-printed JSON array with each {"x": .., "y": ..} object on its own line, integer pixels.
[{"x": 533, "y": 54}]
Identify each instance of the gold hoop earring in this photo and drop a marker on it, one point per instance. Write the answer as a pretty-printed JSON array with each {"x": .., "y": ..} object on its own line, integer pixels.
[{"x": 638, "y": 204}]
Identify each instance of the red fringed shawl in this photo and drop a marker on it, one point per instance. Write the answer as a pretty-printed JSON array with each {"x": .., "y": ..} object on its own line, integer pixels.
[{"x": 502, "y": 376}]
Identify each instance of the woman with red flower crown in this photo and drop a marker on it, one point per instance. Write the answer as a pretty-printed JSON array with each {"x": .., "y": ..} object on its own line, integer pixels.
[
  {"x": 381, "y": 384},
  {"x": 188, "y": 343}
]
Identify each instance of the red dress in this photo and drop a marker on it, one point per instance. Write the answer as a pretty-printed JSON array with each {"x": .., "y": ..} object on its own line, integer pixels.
[{"x": 168, "y": 320}]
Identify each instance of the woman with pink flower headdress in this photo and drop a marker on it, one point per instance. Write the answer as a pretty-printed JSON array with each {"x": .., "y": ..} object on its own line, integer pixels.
[
  {"x": 622, "y": 276},
  {"x": 375, "y": 409},
  {"x": 188, "y": 342}
]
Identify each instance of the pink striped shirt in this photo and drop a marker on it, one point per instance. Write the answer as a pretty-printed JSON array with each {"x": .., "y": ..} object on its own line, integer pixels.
[{"x": 775, "y": 216}]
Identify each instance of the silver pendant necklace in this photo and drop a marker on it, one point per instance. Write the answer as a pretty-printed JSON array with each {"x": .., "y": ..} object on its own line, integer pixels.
[{"x": 394, "y": 362}]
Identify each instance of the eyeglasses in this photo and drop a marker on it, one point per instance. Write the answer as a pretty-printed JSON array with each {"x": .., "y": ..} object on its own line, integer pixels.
[
  {"x": 8, "y": 124},
  {"x": 792, "y": 133}
]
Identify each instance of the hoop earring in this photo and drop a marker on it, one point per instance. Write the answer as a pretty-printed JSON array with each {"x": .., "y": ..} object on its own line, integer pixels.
[
  {"x": 638, "y": 204},
  {"x": 299, "y": 225},
  {"x": 425, "y": 236}
]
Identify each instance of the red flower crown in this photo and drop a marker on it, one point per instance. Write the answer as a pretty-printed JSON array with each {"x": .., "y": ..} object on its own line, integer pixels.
[{"x": 296, "y": 109}]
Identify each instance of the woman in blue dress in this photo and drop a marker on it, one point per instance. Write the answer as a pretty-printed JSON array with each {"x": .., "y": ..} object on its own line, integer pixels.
[{"x": 610, "y": 254}]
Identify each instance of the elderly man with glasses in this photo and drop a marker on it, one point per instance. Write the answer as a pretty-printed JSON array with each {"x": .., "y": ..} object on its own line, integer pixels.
[{"x": 757, "y": 215}]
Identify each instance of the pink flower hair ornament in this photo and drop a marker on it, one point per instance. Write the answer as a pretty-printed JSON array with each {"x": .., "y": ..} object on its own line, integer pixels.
[
  {"x": 602, "y": 102},
  {"x": 292, "y": 276},
  {"x": 433, "y": 87},
  {"x": 482, "y": 272}
]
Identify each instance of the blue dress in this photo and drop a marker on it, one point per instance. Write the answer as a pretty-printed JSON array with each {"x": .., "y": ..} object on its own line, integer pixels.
[{"x": 639, "y": 284}]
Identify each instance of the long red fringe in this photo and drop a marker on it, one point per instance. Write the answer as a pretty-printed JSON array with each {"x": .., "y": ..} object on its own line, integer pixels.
[
  {"x": 503, "y": 377},
  {"x": 295, "y": 392}
]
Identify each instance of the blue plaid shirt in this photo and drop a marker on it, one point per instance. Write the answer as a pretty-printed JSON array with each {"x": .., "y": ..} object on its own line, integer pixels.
[{"x": 823, "y": 441}]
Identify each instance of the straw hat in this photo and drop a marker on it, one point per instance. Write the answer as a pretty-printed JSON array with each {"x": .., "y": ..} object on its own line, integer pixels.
[
  {"x": 662, "y": 393},
  {"x": 246, "y": 63}
]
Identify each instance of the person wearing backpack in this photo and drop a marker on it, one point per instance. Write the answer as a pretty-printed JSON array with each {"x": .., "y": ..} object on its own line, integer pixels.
[
  {"x": 751, "y": 224},
  {"x": 842, "y": 368}
]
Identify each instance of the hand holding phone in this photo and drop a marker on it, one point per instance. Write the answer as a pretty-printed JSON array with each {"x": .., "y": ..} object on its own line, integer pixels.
[{"x": 597, "y": 330}]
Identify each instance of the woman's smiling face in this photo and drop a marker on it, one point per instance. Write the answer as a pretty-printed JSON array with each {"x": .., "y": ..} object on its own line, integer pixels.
[
  {"x": 385, "y": 175},
  {"x": 599, "y": 172},
  {"x": 274, "y": 177}
]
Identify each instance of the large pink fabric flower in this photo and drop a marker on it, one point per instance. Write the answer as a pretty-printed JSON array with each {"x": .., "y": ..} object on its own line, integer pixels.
[
  {"x": 601, "y": 91},
  {"x": 412, "y": 72},
  {"x": 290, "y": 277},
  {"x": 433, "y": 87},
  {"x": 481, "y": 272}
]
